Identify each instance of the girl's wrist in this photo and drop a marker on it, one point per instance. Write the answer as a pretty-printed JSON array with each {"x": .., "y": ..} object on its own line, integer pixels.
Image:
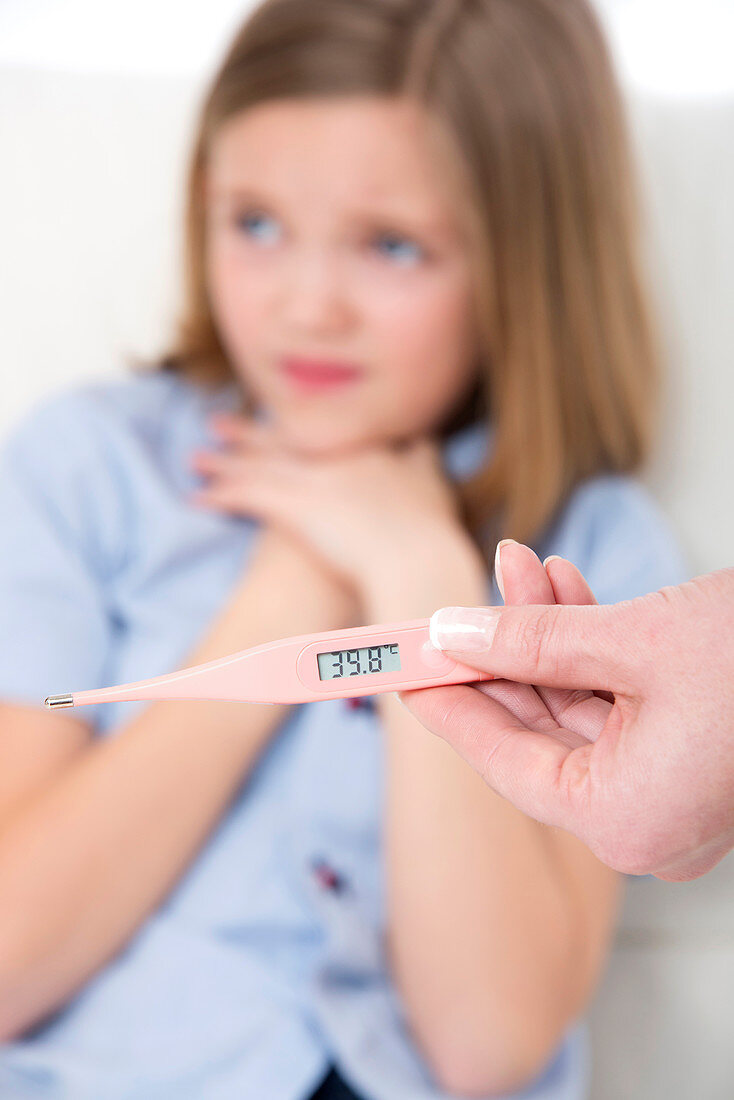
[
  {"x": 286, "y": 590},
  {"x": 445, "y": 570}
]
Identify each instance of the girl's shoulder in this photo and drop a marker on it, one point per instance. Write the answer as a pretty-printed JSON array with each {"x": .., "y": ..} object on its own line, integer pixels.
[
  {"x": 613, "y": 530},
  {"x": 86, "y": 459},
  {"x": 103, "y": 417},
  {"x": 97, "y": 406}
]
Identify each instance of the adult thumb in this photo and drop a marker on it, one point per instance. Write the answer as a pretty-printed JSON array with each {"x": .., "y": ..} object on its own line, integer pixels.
[{"x": 553, "y": 646}]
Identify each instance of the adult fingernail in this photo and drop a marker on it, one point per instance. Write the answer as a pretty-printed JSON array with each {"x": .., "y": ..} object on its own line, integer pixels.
[
  {"x": 498, "y": 565},
  {"x": 464, "y": 629}
]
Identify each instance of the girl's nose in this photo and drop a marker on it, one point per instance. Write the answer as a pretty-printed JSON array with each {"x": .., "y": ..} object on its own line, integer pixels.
[{"x": 315, "y": 297}]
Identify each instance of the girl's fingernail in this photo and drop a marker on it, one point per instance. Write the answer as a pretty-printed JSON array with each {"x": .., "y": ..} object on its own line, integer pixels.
[
  {"x": 464, "y": 629},
  {"x": 552, "y": 557},
  {"x": 498, "y": 565}
]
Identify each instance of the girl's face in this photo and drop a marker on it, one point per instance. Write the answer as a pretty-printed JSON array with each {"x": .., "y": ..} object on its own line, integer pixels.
[{"x": 338, "y": 271}]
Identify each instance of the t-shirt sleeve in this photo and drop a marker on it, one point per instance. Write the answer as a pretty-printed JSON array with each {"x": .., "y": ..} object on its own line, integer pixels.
[
  {"x": 55, "y": 630},
  {"x": 614, "y": 532}
]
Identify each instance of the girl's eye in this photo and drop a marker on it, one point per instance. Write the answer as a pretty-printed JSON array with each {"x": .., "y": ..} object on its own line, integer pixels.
[
  {"x": 399, "y": 250},
  {"x": 260, "y": 227}
]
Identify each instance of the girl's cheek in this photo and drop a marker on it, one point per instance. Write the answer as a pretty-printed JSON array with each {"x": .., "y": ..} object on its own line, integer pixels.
[
  {"x": 240, "y": 287},
  {"x": 430, "y": 317},
  {"x": 428, "y": 343}
]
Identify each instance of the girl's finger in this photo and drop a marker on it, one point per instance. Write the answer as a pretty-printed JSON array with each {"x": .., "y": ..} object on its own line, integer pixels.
[
  {"x": 224, "y": 466},
  {"x": 209, "y": 461},
  {"x": 243, "y": 431},
  {"x": 258, "y": 501},
  {"x": 244, "y": 468}
]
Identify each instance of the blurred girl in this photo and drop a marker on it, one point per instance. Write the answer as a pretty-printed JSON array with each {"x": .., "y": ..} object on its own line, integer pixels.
[{"x": 412, "y": 324}]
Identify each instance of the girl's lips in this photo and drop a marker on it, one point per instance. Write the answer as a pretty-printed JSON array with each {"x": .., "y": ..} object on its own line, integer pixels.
[{"x": 318, "y": 374}]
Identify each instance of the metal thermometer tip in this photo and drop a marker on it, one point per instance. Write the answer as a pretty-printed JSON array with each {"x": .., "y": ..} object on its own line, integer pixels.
[{"x": 59, "y": 701}]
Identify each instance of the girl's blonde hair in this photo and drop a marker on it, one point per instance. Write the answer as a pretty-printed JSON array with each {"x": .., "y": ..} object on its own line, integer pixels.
[{"x": 526, "y": 95}]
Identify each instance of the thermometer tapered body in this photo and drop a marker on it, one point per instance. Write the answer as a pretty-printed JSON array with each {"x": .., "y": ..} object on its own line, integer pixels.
[{"x": 333, "y": 664}]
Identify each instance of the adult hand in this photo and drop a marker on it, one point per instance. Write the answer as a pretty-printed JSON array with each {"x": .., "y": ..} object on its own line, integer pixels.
[{"x": 629, "y": 743}]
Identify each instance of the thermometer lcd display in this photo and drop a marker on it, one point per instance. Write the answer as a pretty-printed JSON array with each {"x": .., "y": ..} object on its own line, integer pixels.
[{"x": 359, "y": 662}]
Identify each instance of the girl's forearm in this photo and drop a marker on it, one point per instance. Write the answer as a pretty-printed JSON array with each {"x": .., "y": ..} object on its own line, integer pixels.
[
  {"x": 481, "y": 920},
  {"x": 481, "y": 927},
  {"x": 95, "y": 853}
]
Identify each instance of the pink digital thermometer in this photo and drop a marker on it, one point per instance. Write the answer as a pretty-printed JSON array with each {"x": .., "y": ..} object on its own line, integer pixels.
[{"x": 366, "y": 660}]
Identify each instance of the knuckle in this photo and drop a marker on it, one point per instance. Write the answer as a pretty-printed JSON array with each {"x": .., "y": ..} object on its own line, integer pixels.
[{"x": 537, "y": 636}]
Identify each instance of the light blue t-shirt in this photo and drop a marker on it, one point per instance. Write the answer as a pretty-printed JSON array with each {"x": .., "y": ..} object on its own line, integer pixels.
[{"x": 265, "y": 964}]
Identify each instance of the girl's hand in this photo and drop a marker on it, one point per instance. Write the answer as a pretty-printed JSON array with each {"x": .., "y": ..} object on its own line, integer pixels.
[{"x": 375, "y": 517}]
